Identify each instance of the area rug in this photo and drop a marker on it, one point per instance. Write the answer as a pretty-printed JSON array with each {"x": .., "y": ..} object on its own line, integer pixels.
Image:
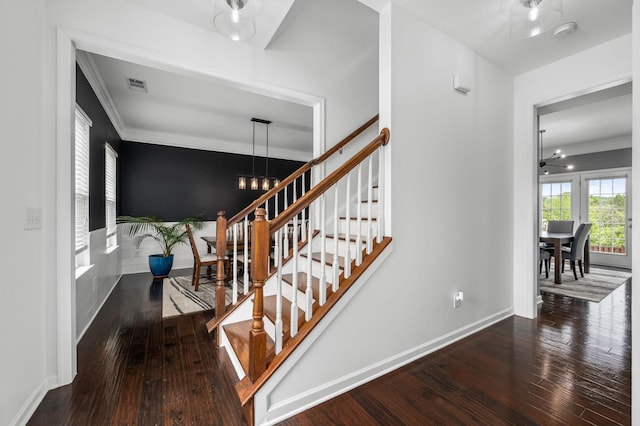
[
  {"x": 594, "y": 287},
  {"x": 179, "y": 297}
]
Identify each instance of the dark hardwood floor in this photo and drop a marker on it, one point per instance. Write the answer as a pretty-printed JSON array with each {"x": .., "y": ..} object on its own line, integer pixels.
[{"x": 570, "y": 366}]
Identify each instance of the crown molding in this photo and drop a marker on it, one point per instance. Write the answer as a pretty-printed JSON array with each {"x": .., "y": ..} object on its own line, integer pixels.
[
  {"x": 93, "y": 75},
  {"x": 206, "y": 144}
]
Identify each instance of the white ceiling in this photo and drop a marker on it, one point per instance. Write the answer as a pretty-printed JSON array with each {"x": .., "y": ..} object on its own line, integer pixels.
[
  {"x": 595, "y": 125},
  {"x": 184, "y": 111},
  {"x": 483, "y": 26},
  {"x": 197, "y": 113}
]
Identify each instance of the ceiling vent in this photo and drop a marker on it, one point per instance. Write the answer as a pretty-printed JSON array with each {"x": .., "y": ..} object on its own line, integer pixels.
[{"x": 136, "y": 84}]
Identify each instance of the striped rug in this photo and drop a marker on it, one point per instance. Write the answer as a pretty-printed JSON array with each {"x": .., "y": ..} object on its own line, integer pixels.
[
  {"x": 178, "y": 296},
  {"x": 594, "y": 287}
]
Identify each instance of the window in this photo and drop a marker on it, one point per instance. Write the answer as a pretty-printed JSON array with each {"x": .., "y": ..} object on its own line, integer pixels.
[
  {"x": 110, "y": 195},
  {"x": 556, "y": 202},
  {"x": 83, "y": 125},
  {"x": 608, "y": 214}
]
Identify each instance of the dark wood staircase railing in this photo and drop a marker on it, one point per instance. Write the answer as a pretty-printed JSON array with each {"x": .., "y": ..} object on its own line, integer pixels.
[
  {"x": 223, "y": 225},
  {"x": 257, "y": 355}
]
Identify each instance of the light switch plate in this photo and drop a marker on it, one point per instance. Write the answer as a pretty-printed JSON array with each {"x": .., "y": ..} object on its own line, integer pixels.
[{"x": 33, "y": 218}]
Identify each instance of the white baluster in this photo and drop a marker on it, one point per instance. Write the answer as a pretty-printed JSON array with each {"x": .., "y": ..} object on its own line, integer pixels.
[
  {"x": 370, "y": 207},
  {"x": 245, "y": 276},
  {"x": 304, "y": 224},
  {"x": 285, "y": 251},
  {"x": 278, "y": 323},
  {"x": 309, "y": 291},
  {"x": 380, "y": 218},
  {"x": 322, "y": 287},
  {"x": 234, "y": 297},
  {"x": 335, "y": 270},
  {"x": 294, "y": 290},
  {"x": 359, "y": 218},
  {"x": 347, "y": 253}
]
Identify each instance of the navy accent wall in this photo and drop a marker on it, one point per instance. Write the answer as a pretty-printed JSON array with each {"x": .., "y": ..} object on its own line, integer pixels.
[
  {"x": 173, "y": 183},
  {"x": 102, "y": 131}
]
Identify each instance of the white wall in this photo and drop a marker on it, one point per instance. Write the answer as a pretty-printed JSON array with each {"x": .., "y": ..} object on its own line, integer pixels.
[
  {"x": 635, "y": 295},
  {"x": 25, "y": 287},
  {"x": 451, "y": 158},
  {"x": 596, "y": 68},
  {"x": 317, "y": 68}
]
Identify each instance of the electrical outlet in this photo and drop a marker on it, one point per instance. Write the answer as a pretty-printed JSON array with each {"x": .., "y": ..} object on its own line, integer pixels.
[
  {"x": 33, "y": 218},
  {"x": 458, "y": 298}
]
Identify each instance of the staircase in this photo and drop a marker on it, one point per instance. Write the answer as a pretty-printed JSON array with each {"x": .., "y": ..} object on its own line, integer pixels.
[{"x": 302, "y": 261}]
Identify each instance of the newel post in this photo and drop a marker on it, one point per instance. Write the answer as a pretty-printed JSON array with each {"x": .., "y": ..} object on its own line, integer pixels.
[
  {"x": 221, "y": 254},
  {"x": 259, "y": 272}
]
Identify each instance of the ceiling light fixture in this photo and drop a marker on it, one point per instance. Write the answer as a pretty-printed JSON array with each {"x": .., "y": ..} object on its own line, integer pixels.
[
  {"x": 255, "y": 181},
  {"x": 235, "y": 18},
  {"x": 530, "y": 18},
  {"x": 548, "y": 162}
]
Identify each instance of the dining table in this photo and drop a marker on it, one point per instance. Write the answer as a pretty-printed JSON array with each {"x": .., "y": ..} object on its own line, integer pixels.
[
  {"x": 558, "y": 239},
  {"x": 211, "y": 247}
]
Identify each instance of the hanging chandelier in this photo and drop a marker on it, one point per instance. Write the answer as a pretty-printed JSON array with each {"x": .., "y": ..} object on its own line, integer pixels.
[
  {"x": 264, "y": 182},
  {"x": 530, "y": 18},
  {"x": 549, "y": 161}
]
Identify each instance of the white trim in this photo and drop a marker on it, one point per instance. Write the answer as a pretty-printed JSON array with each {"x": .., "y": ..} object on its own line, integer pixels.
[
  {"x": 65, "y": 209},
  {"x": 68, "y": 40},
  {"x": 92, "y": 73},
  {"x": 33, "y": 401},
  {"x": 206, "y": 144},
  {"x": 526, "y": 190},
  {"x": 313, "y": 397}
]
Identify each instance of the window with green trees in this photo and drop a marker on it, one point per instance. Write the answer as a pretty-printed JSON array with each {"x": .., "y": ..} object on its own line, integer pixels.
[
  {"x": 556, "y": 202},
  {"x": 607, "y": 213}
]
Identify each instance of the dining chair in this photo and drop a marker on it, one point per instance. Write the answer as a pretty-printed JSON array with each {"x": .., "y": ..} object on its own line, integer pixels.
[
  {"x": 209, "y": 259},
  {"x": 576, "y": 251},
  {"x": 560, "y": 226},
  {"x": 545, "y": 257}
]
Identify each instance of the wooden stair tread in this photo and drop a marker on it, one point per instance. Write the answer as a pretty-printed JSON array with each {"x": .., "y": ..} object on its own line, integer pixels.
[
  {"x": 302, "y": 284},
  {"x": 270, "y": 312},
  {"x": 373, "y": 219},
  {"x": 238, "y": 335}
]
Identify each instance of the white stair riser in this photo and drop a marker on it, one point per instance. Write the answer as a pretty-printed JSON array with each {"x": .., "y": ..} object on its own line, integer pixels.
[
  {"x": 364, "y": 224},
  {"x": 330, "y": 246},
  {"x": 364, "y": 209}
]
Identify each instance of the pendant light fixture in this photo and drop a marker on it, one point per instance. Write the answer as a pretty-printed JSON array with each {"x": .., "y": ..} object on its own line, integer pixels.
[
  {"x": 254, "y": 181},
  {"x": 530, "y": 18},
  {"x": 235, "y": 18},
  {"x": 548, "y": 162}
]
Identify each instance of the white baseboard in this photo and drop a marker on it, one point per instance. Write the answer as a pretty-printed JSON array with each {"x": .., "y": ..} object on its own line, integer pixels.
[
  {"x": 31, "y": 404},
  {"x": 285, "y": 409}
]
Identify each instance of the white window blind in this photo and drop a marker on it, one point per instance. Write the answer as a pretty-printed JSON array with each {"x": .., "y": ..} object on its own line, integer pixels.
[
  {"x": 110, "y": 194},
  {"x": 83, "y": 125}
]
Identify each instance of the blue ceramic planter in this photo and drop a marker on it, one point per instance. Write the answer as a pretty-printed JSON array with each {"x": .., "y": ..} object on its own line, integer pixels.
[{"x": 160, "y": 265}]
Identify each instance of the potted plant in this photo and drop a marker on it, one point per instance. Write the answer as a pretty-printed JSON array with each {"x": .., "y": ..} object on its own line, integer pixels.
[{"x": 167, "y": 237}]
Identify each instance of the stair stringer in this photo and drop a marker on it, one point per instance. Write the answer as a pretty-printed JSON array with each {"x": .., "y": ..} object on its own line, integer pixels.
[{"x": 272, "y": 403}]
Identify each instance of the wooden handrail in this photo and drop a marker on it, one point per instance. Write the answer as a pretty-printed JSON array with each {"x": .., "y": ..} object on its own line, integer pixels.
[
  {"x": 315, "y": 192},
  {"x": 303, "y": 169}
]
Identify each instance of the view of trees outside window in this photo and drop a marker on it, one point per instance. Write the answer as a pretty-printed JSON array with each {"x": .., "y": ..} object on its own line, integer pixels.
[
  {"x": 607, "y": 213},
  {"x": 556, "y": 202}
]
